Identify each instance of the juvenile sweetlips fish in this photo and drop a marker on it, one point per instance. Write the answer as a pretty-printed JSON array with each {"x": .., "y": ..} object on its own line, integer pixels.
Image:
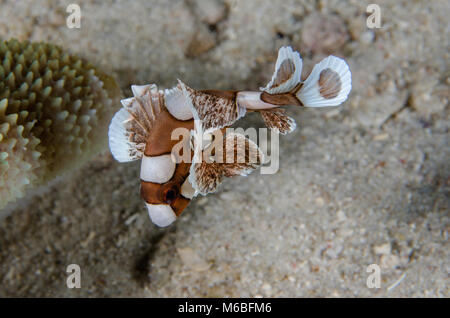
[{"x": 142, "y": 129}]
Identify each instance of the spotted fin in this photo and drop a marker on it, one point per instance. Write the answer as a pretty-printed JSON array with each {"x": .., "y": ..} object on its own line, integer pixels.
[
  {"x": 215, "y": 112},
  {"x": 277, "y": 120},
  {"x": 240, "y": 156},
  {"x": 328, "y": 84},
  {"x": 288, "y": 71}
]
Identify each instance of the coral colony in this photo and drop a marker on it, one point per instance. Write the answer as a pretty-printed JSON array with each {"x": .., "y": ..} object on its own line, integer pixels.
[
  {"x": 54, "y": 110},
  {"x": 146, "y": 125}
]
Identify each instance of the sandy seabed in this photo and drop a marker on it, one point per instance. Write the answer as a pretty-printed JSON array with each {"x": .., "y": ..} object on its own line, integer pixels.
[{"x": 365, "y": 183}]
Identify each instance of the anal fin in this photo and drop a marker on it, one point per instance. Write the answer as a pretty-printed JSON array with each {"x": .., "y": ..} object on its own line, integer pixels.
[{"x": 277, "y": 120}]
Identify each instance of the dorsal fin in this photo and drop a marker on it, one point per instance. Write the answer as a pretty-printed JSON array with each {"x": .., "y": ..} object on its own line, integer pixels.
[
  {"x": 176, "y": 104},
  {"x": 130, "y": 126},
  {"x": 214, "y": 111}
]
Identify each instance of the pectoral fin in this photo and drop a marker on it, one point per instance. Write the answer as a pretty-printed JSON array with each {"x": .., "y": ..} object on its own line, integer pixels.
[{"x": 238, "y": 156}]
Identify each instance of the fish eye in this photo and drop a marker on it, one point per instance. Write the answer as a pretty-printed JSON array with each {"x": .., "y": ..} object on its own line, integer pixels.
[{"x": 170, "y": 195}]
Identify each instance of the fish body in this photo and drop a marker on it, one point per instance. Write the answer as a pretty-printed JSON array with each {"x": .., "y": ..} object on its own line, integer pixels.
[{"x": 144, "y": 128}]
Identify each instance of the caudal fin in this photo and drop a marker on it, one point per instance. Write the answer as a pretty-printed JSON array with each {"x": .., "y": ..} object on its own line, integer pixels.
[
  {"x": 328, "y": 84},
  {"x": 288, "y": 71}
]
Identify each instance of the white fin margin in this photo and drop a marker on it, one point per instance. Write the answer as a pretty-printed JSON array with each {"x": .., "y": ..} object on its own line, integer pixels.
[
  {"x": 285, "y": 53},
  {"x": 131, "y": 125},
  {"x": 140, "y": 90},
  {"x": 176, "y": 104},
  {"x": 291, "y": 126},
  {"x": 121, "y": 148},
  {"x": 309, "y": 93}
]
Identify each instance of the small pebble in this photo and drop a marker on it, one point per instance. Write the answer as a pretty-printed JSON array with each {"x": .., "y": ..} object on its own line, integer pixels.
[
  {"x": 341, "y": 216},
  {"x": 202, "y": 201},
  {"x": 191, "y": 259},
  {"x": 320, "y": 201},
  {"x": 202, "y": 41},
  {"x": 367, "y": 37},
  {"x": 389, "y": 261},
  {"x": 323, "y": 33},
  {"x": 210, "y": 11},
  {"x": 382, "y": 249},
  {"x": 381, "y": 137}
]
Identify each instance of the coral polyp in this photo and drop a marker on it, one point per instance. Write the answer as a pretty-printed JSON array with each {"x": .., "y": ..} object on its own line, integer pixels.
[{"x": 54, "y": 111}]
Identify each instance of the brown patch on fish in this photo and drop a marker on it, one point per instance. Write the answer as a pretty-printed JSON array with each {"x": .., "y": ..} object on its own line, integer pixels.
[
  {"x": 280, "y": 99},
  {"x": 329, "y": 84},
  {"x": 159, "y": 138},
  {"x": 284, "y": 73},
  {"x": 231, "y": 95},
  {"x": 169, "y": 192},
  {"x": 150, "y": 125},
  {"x": 179, "y": 204}
]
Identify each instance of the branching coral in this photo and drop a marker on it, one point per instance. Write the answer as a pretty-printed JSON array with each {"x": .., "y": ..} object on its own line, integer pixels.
[{"x": 54, "y": 113}]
